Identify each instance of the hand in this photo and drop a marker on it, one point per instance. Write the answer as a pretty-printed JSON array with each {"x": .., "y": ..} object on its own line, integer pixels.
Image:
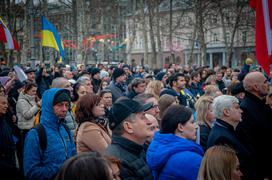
[{"x": 39, "y": 103}]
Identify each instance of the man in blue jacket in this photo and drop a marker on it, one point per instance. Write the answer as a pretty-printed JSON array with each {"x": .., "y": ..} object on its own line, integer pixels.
[{"x": 44, "y": 164}]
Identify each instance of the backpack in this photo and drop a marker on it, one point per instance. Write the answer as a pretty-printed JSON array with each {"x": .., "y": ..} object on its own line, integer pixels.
[{"x": 42, "y": 135}]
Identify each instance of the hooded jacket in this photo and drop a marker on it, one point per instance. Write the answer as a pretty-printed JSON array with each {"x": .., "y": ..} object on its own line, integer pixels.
[
  {"x": 173, "y": 157},
  {"x": 45, "y": 164}
]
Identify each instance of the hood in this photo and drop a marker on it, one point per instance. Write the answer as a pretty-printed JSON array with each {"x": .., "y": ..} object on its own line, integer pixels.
[
  {"x": 163, "y": 146},
  {"x": 48, "y": 117}
]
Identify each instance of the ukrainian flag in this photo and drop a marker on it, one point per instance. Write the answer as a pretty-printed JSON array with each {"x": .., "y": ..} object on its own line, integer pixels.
[{"x": 50, "y": 37}]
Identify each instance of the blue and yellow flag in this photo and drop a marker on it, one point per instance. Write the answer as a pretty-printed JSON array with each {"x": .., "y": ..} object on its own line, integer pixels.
[{"x": 50, "y": 37}]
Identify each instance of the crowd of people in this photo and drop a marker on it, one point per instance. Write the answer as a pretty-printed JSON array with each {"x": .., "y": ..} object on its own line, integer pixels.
[{"x": 121, "y": 122}]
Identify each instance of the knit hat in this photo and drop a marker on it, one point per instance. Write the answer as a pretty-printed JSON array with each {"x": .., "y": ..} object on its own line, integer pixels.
[
  {"x": 117, "y": 73},
  {"x": 160, "y": 75},
  {"x": 124, "y": 107},
  {"x": 18, "y": 84},
  {"x": 61, "y": 96},
  {"x": 94, "y": 71},
  {"x": 104, "y": 74}
]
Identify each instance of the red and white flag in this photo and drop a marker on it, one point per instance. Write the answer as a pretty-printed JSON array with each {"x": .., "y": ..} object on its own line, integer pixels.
[
  {"x": 6, "y": 37},
  {"x": 263, "y": 34}
]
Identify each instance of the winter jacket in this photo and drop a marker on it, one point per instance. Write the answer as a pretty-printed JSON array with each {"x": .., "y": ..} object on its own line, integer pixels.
[
  {"x": 173, "y": 157},
  {"x": 222, "y": 133},
  {"x": 92, "y": 137},
  {"x": 26, "y": 110},
  {"x": 132, "y": 156},
  {"x": 117, "y": 90},
  {"x": 45, "y": 164},
  {"x": 255, "y": 130}
]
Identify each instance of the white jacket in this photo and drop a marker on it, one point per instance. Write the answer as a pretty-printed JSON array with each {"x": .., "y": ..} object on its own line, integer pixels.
[{"x": 26, "y": 109}]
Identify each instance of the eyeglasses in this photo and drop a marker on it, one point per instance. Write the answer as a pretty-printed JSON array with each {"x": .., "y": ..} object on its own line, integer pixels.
[{"x": 155, "y": 106}]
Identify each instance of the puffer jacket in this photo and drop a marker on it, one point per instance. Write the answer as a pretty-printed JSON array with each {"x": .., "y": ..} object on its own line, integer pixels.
[
  {"x": 26, "y": 110},
  {"x": 173, "y": 157},
  {"x": 43, "y": 165}
]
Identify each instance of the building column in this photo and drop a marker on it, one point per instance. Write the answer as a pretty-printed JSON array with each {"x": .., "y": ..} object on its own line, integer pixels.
[
  {"x": 185, "y": 58},
  {"x": 211, "y": 61},
  {"x": 198, "y": 59},
  {"x": 224, "y": 59}
]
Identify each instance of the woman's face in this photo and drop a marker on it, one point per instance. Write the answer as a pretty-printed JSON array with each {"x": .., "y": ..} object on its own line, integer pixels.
[
  {"x": 98, "y": 110},
  {"x": 81, "y": 91},
  {"x": 189, "y": 129},
  {"x": 2, "y": 91},
  {"x": 210, "y": 115},
  {"x": 236, "y": 175},
  {"x": 32, "y": 91},
  {"x": 104, "y": 84}
]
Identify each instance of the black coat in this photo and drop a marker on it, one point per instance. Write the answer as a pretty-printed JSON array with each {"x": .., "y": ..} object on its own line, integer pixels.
[
  {"x": 7, "y": 144},
  {"x": 255, "y": 130},
  {"x": 132, "y": 156},
  {"x": 223, "y": 133}
]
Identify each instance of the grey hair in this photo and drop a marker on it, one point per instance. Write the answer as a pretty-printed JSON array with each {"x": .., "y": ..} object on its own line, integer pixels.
[
  {"x": 58, "y": 82},
  {"x": 221, "y": 103},
  {"x": 82, "y": 80}
]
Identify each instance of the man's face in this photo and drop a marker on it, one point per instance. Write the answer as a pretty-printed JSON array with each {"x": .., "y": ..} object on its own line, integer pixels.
[
  {"x": 154, "y": 111},
  {"x": 262, "y": 86},
  {"x": 121, "y": 79},
  {"x": 197, "y": 78},
  {"x": 88, "y": 86},
  {"x": 140, "y": 88},
  {"x": 31, "y": 76},
  {"x": 107, "y": 99},
  {"x": 67, "y": 85},
  {"x": 69, "y": 74},
  {"x": 218, "y": 76},
  {"x": 235, "y": 113},
  {"x": 96, "y": 76},
  {"x": 180, "y": 83},
  {"x": 140, "y": 128},
  {"x": 154, "y": 127},
  {"x": 3, "y": 105},
  {"x": 126, "y": 70},
  {"x": 60, "y": 109}
]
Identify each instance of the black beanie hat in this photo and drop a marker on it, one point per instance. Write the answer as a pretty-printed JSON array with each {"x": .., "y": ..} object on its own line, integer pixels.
[
  {"x": 94, "y": 71},
  {"x": 62, "y": 95},
  {"x": 117, "y": 73}
]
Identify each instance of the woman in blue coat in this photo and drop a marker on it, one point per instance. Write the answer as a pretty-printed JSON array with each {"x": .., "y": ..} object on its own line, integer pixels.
[{"x": 173, "y": 154}]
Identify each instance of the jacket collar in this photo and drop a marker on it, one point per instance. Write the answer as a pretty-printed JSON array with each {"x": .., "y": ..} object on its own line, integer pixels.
[
  {"x": 127, "y": 144},
  {"x": 224, "y": 124}
]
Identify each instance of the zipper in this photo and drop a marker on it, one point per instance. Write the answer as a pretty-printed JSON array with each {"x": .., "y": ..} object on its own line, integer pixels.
[{"x": 64, "y": 145}]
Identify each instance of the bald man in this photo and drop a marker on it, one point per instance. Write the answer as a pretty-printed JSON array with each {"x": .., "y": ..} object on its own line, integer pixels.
[{"x": 256, "y": 126}]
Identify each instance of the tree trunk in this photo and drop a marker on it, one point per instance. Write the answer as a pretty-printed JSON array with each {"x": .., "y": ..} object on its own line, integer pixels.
[
  {"x": 151, "y": 34},
  {"x": 160, "y": 62},
  {"x": 144, "y": 29}
]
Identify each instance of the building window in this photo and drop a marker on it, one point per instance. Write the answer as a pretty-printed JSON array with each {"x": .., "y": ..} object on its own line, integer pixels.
[{"x": 215, "y": 37}]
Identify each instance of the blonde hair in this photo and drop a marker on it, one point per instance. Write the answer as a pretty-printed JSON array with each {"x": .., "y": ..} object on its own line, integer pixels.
[
  {"x": 154, "y": 87},
  {"x": 211, "y": 90},
  {"x": 202, "y": 108},
  {"x": 219, "y": 162}
]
